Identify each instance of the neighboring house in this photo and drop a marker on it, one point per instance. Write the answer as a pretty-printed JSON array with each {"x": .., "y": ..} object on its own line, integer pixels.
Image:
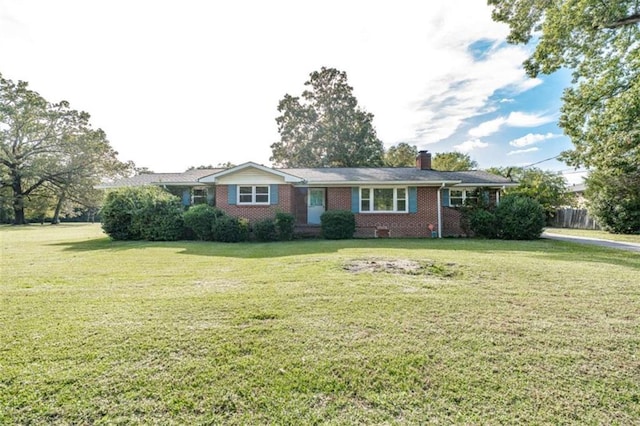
[{"x": 397, "y": 202}]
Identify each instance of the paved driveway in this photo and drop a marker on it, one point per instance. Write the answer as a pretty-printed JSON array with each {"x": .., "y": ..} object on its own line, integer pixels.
[{"x": 593, "y": 241}]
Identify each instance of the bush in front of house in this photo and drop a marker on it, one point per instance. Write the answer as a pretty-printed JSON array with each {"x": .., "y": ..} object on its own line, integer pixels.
[
  {"x": 338, "y": 224},
  {"x": 483, "y": 223},
  {"x": 285, "y": 222},
  {"x": 265, "y": 230},
  {"x": 520, "y": 218},
  {"x": 227, "y": 229},
  {"x": 136, "y": 213},
  {"x": 200, "y": 219}
]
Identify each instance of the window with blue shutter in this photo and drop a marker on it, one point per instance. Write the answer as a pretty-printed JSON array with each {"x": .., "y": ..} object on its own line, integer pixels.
[
  {"x": 355, "y": 199},
  {"x": 445, "y": 197},
  {"x": 233, "y": 194},
  {"x": 186, "y": 197},
  {"x": 413, "y": 199}
]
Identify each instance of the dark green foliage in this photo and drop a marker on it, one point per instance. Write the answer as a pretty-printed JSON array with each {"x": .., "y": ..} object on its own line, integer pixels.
[
  {"x": 325, "y": 127},
  {"x": 200, "y": 220},
  {"x": 228, "y": 229},
  {"x": 161, "y": 220},
  {"x": 265, "y": 230},
  {"x": 614, "y": 199},
  {"x": 520, "y": 218},
  {"x": 338, "y": 224},
  {"x": 142, "y": 213},
  {"x": 117, "y": 214},
  {"x": 285, "y": 222},
  {"x": 483, "y": 223}
]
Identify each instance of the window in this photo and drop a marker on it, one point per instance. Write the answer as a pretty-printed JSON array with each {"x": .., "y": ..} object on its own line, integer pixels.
[
  {"x": 388, "y": 200},
  {"x": 198, "y": 196},
  {"x": 460, "y": 197},
  {"x": 253, "y": 194}
]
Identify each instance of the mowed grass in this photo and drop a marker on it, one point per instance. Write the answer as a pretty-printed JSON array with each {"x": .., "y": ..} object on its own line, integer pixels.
[
  {"x": 482, "y": 332},
  {"x": 592, "y": 233}
]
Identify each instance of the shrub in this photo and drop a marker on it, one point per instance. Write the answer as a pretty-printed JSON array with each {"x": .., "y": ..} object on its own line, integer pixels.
[
  {"x": 337, "y": 224},
  {"x": 483, "y": 223},
  {"x": 520, "y": 218},
  {"x": 285, "y": 222},
  {"x": 614, "y": 200},
  {"x": 265, "y": 230},
  {"x": 161, "y": 220},
  {"x": 228, "y": 229},
  {"x": 136, "y": 213},
  {"x": 200, "y": 219}
]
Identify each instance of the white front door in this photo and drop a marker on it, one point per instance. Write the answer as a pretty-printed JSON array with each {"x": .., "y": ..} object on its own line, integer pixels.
[{"x": 316, "y": 205}]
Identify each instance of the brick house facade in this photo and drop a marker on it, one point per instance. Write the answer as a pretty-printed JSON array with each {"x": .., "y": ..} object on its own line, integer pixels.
[{"x": 396, "y": 202}]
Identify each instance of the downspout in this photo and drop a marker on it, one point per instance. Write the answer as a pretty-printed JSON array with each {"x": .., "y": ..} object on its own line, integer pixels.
[{"x": 440, "y": 212}]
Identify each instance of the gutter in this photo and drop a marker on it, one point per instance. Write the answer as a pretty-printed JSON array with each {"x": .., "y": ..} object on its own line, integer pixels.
[{"x": 439, "y": 203}]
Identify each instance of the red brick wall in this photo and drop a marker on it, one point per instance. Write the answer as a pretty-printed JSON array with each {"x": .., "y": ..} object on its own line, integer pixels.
[
  {"x": 293, "y": 200},
  {"x": 398, "y": 224},
  {"x": 256, "y": 213}
]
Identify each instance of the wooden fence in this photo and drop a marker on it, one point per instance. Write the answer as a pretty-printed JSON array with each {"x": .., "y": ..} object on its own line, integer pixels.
[{"x": 574, "y": 218}]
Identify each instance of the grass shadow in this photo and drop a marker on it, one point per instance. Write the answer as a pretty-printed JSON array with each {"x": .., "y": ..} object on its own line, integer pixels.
[{"x": 543, "y": 249}]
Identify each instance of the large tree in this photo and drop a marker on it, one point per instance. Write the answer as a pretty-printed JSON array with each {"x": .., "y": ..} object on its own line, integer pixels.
[
  {"x": 325, "y": 127},
  {"x": 48, "y": 150},
  {"x": 547, "y": 187},
  {"x": 453, "y": 161},
  {"x": 600, "y": 42},
  {"x": 401, "y": 155}
]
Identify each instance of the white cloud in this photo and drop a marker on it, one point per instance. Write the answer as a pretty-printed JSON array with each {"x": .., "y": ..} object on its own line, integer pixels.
[
  {"x": 514, "y": 119},
  {"x": 468, "y": 146},
  {"x": 207, "y": 90},
  {"x": 532, "y": 138},
  {"x": 523, "y": 151}
]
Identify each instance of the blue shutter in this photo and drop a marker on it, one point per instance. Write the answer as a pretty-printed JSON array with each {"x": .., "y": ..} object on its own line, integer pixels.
[
  {"x": 445, "y": 197},
  {"x": 186, "y": 197},
  {"x": 233, "y": 194},
  {"x": 273, "y": 194},
  {"x": 355, "y": 199},
  {"x": 413, "y": 199}
]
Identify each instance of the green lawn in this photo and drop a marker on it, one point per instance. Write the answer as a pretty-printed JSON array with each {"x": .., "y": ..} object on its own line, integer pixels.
[
  {"x": 472, "y": 332},
  {"x": 592, "y": 233}
]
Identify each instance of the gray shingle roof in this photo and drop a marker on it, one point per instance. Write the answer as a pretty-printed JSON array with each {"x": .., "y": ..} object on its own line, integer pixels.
[
  {"x": 189, "y": 177},
  {"x": 395, "y": 174},
  {"x": 331, "y": 176}
]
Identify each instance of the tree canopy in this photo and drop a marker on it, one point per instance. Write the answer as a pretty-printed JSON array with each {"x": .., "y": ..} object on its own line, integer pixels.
[
  {"x": 546, "y": 187},
  {"x": 325, "y": 127},
  {"x": 453, "y": 161},
  {"x": 600, "y": 42},
  {"x": 401, "y": 155},
  {"x": 49, "y": 151}
]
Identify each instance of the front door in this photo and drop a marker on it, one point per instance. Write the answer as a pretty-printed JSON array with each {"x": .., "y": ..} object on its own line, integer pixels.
[{"x": 316, "y": 205}]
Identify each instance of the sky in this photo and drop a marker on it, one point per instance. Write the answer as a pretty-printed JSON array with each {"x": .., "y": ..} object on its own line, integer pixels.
[{"x": 176, "y": 84}]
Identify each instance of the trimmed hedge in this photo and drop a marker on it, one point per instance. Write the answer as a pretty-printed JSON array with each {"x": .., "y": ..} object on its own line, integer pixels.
[
  {"x": 285, "y": 222},
  {"x": 338, "y": 224},
  {"x": 265, "y": 230},
  {"x": 228, "y": 229},
  {"x": 142, "y": 213},
  {"x": 520, "y": 218},
  {"x": 200, "y": 220}
]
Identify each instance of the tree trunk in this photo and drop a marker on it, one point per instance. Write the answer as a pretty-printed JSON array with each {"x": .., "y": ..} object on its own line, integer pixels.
[
  {"x": 56, "y": 215},
  {"x": 18, "y": 201}
]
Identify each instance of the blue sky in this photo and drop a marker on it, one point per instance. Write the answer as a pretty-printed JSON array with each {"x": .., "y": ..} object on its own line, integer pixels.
[{"x": 183, "y": 83}]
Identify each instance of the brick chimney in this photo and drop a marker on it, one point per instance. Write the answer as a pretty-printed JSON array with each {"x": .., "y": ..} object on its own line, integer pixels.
[{"x": 423, "y": 160}]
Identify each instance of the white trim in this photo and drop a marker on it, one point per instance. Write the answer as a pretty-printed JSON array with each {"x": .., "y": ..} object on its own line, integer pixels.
[
  {"x": 439, "y": 203},
  {"x": 395, "y": 199},
  {"x": 253, "y": 195},
  {"x": 380, "y": 183},
  {"x": 287, "y": 177}
]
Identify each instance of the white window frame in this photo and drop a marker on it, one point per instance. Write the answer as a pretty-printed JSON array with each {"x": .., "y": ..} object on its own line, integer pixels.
[
  {"x": 395, "y": 199},
  {"x": 466, "y": 193},
  {"x": 199, "y": 198},
  {"x": 254, "y": 195}
]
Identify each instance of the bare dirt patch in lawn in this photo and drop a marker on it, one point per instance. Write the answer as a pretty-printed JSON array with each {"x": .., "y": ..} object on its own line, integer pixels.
[{"x": 401, "y": 266}]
